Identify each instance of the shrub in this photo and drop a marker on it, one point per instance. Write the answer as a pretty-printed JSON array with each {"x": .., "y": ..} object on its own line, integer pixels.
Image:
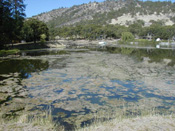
[
  {"x": 127, "y": 36},
  {"x": 43, "y": 38}
]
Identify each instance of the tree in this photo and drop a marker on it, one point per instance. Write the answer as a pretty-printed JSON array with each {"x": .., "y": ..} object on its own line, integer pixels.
[
  {"x": 136, "y": 28},
  {"x": 11, "y": 20},
  {"x": 120, "y": 30},
  {"x": 127, "y": 36},
  {"x": 5, "y": 22},
  {"x": 5, "y": 16},
  {"x": 33, "y": 29},
  {"x": 18, "y": 8}
]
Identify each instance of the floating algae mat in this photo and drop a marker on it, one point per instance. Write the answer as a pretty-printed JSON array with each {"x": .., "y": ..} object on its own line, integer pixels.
[{"x": 76, "y": 85}]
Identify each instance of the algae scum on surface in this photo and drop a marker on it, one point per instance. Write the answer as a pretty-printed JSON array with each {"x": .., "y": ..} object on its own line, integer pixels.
[{"x": 79, "y": 86}]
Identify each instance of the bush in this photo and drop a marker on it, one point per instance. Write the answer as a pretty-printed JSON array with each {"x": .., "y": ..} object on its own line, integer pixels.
[
  {"x": 43, "y": 38},
  {"x": 127, "y": 36}
]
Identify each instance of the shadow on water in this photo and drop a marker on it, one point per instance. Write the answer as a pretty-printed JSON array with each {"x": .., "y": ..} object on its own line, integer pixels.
[
  {"x": 23, "y": 67},
  {"x": 155, "y": 55},
  {"x": 2, "y": 78},
  {"x": 44, "y": 52}
]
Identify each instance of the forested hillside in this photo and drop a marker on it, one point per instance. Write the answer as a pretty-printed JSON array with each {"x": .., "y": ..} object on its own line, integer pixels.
[
  {"x": 109, "y": 19},
  {"x": 123, "y": 12}
]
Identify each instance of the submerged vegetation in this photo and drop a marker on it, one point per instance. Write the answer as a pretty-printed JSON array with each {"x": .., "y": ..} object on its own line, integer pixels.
[{"x": 87, "y": 88}]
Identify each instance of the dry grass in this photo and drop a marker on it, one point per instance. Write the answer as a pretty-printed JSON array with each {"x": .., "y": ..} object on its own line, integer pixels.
[
  {"x": 27, "y": 121},
  {"x": 136, "y": 120},
  {"x": 145, "y": 123},
  {"x": 130, "y": 118}
]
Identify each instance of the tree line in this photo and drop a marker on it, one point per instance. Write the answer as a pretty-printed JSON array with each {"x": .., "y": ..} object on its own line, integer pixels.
[
  {"x": 92, "y": 31},
  {"x": 14, "y": 27}
]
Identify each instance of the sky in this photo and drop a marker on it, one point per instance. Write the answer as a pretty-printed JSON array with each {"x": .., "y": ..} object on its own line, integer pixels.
[{"x": 35, "y": 7}]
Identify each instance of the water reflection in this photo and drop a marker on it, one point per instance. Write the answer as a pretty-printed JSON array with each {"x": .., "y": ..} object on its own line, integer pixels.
[
  {"x": 51, "y": 52},
  {"x": 24, "y": 67},
  {"x": 44, "y": 52},
  {"x": 155, "y": 55}
]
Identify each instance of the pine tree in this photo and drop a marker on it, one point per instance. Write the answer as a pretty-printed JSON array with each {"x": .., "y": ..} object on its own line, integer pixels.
[
  {"x": 18, "y": 15},
  {"x": 11, "y": 20}
]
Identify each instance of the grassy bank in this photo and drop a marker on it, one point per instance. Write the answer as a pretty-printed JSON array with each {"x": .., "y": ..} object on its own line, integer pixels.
[
  {"x": 16, "y": 48},
  {"x": 136, "y": 120},
  {"x": 9, "y": 52},
  {"x": 28, "y": 121},
  {"x": 140, "y": 42},
  {"x": 133, "y": 118},
  {"x": 144, "y": 123}
]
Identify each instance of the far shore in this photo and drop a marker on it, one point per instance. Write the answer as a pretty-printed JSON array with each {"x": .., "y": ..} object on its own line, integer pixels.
[{"x": 64, "y": 43}]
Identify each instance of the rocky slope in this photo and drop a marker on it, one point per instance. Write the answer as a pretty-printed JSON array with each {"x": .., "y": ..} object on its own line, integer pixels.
[
  {"x": 81, "y": 12},
  {"x": 111, "y": 12}
]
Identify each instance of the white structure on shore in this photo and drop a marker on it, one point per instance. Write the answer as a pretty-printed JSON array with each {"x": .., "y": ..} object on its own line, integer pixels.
[
  {"x": 158, "y": 39},
  {"x": 102, "y": 43}
]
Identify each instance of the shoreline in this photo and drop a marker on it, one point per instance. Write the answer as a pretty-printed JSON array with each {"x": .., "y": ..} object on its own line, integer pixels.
[{"x": 63, "y": 43}]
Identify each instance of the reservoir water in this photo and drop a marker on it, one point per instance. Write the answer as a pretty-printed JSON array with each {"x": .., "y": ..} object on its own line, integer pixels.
[{"x": 80, "y": 84}]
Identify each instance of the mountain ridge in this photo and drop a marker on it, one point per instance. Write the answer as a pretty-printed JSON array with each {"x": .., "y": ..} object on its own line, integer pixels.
[{"x": 122, "y": 12}]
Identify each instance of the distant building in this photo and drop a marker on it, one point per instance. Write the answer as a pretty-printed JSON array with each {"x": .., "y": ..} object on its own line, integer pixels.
[
  {"x": 157, "y": 46},
  {"x": 158, "y": 39},
  {"x": 102, "y": 43}
]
